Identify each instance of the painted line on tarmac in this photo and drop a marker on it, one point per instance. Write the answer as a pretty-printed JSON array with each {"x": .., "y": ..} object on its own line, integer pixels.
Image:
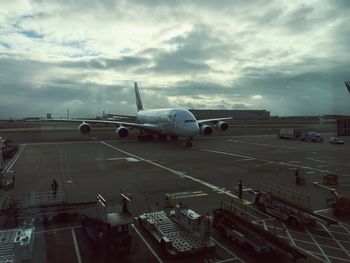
[
  {"x": 323, "y": 210},
  {"x": 226, "y": 260},
  {"x": 58, "y": 143},
  {"x": 181, "y": 195},
  {"x": 344, "y": 226},
  {"x": 56, "y": 229},
  {"x": 76, "y": 246},
  {"x": 288, "y": 234},
  {"x": 294, "y": 165},
  {"x": 17, "y": 156},
  {"x": 264, "y": 144},
  {"x": 337, "y": 258},
  {"x": 317, "y": 161},
  {"x": 318, "y": 246},
  {"x": 336, "y": 240},
  {"x": 178, "y": 173},
  {"x": 226, "y": 249},
  {"x": 314, "y": 235},
  {"x": 246, "y": 157},
  {"x": 146, "y": 243}
]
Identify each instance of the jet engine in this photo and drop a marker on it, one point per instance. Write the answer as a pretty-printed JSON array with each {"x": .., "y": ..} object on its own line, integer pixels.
[
  {"x": 206, "y": 130},
  {"x": 84, "y": 128},
  {"x": 221, "y": 126},
  {"x": 122, "y": 132}
]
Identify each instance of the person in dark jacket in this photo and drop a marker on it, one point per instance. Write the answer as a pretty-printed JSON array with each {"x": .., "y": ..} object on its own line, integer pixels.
[
  {"x": 240, "y": 189},
  {"x": 54, "y": 187}
]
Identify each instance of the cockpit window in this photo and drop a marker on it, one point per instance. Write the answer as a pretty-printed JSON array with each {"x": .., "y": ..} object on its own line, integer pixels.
[{"x": 189, "y": 121}]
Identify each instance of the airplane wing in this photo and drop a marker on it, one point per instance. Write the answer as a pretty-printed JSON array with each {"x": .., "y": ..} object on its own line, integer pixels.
[
  {"x": 144, "y": 126},
  {"x": 214, "y": 120}
]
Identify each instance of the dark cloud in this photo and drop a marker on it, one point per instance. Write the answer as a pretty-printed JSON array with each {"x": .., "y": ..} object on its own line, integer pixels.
[
  {"x": 190, "y": 52},
  {"x": 125, "y": 63},
  {"x": 32, "y": 34},
  {"x": 289, "y": 59},
  {"x": 194, "y": 89}
]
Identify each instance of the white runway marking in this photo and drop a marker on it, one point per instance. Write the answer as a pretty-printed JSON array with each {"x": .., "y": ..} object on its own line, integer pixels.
[
  {"x": 336, "y": 240},
  {"x": 227, "y": 250},
  {"x": 76, "y": 246},
  {"x": 128, "y": 159},
  {"x": 57, "y": 143},
  {"x": 56, "y": 229},
  {"x": 288, "y": 234},
  {"x": 318, "y": 246},
  {"x": 246, "y": 157},
  {"x": 181, "y": 195},
  {"x": 17, "y": 156},
  {"x": 316, "y": 160},
  {"x": 268, "y": 162},
  {"x": 324, "y": 210},
  {"x": 178, "y": 173},
  {"x": 265, "y": 144},
  {"x": 147, "y": 244}
]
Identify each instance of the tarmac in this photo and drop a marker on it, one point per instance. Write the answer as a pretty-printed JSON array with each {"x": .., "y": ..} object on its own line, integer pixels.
[{"x": 201, "y": 177}]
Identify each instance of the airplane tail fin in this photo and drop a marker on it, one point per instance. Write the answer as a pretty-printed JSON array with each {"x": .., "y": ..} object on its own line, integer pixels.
[
  {"x": 321, "y": 120},
  {"x": 138, "y": 98},
  {"x": 347, "y": 84}
]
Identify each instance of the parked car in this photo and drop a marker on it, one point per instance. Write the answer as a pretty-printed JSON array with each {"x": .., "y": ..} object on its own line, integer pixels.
[{"x": 335, "y": 140}]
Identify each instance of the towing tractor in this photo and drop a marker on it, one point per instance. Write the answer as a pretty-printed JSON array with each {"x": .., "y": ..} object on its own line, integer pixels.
[
  {"x": 341, "y": 204},
  {"x": 7, "y": 179},
  {"x": 108, "y": 226}
]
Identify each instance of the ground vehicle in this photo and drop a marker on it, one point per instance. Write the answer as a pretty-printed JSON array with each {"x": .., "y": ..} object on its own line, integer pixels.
[
  {"x": 311, "y": 137},
  {"x": 341, "y": 204},
  {"x": 16, "y": 245},
  {"x": 247, "y": 226},
  {"x": 7, "y": 179},
  {"x": 9, "y": 149},
  {"x": 287, "y": 205},
  {"x": 180, "y": 231},
  {"x": 287, "y": 133},
  {"x": 335, "y": 140},
  {"x": 108, "y": 226}
]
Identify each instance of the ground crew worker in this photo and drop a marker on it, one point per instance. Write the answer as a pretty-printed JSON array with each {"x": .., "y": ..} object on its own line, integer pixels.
[
  {"x": 297, "y": 177},
  {"x": 54, "y": 187},
  {"x": 240, "y": 189}
]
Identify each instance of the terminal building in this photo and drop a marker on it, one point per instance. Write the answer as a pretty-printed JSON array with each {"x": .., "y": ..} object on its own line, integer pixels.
[{"x": 236, "y": 114}]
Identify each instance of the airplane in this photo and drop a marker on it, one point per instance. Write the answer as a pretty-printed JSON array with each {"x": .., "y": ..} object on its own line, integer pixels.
[
  {"x": 327, "y": 121},
  {"x": 173, "y": 122}
]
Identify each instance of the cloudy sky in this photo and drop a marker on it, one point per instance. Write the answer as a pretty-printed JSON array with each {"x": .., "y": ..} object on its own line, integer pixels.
[{"x": 288, "y": 57}]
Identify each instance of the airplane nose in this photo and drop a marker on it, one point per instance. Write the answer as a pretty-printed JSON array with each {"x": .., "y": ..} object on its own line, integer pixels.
[{"x": 194, "y": 129}]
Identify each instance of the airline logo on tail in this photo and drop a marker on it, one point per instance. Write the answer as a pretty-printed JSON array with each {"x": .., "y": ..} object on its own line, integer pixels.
[{"x": 138, "y": 98}]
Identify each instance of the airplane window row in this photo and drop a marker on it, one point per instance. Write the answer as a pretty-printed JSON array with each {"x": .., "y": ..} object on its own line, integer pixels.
[{"x": 190, "y": 121}]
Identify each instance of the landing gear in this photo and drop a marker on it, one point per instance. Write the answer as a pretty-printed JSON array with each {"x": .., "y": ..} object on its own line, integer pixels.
[
  {"x": 173, "y": 137},
  {"x": 189, "y": 142},
  {"x": 162, "y": 137},
  {"x": 145, "y": 137}
]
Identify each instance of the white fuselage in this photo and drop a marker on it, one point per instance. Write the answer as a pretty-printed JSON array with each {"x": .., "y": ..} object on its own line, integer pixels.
[{"x": 177, "y": 122}]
